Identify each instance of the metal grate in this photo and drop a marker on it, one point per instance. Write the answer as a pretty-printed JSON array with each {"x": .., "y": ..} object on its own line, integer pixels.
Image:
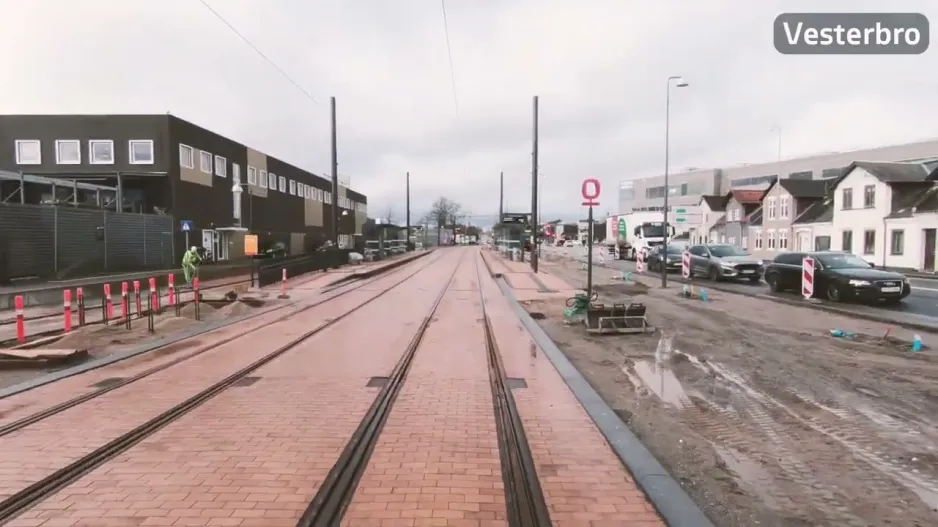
[
  {"x": 107, "y": 383},
  {"x": 515, "y": 383},
  {"x": 247, "y": 381},
  {"x": 377, "y": 382}
]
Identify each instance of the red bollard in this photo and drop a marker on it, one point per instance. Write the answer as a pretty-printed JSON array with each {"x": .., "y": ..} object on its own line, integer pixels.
[
  {"x": 137, "y": 299},
  {"x": 108, "y": 304},
  {"x": 67, "y": 305},
  {"x": 80, "y": 298},
  {"x": 195, "y": 289},
  {"x": 171, "y": 283},
  {"x": 283, "y": 285},
  {"x": 125, "y": 302},
  {"x": 20, "y": 323},
  {"x": 155, "y": 291}
]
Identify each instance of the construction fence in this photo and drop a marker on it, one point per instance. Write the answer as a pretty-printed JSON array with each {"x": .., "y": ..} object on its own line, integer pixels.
[{"x": 59, "y": 242}]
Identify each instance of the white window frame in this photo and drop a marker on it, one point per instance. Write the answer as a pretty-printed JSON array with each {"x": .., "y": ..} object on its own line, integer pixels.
[
  {"x": 203, "y": 155},
  {"x": 327, "y": 198},
  {"x": 783, "y": 237},
  {"x": 319, "y": 195},
  {"x": 785, "y": 207},
  {"x": 191, "y": 151},
  {"x": 770, "y": 209},
  {"x": 91, "y": 158},
  {"x": 130, "y": 151},
  {"x": 19, "y": 158},
  {"x": 757, "y": 238},
  {"x": 220, "y": 161},
  {"x": 58, "y": 152},
  {"x": 252, "y": 175},
  {"x": 770, "y": 240},
  {"x": 235, "y": 173},
  {"x": 272, "y": 181},
  {"x": 282, "y": 187},
  {"x": 292, "y": 187}
]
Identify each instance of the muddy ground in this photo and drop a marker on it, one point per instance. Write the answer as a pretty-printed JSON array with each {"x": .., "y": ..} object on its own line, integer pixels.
[
  {"x": 763, "y": 416},
  {"x": 101, "y": 341}
]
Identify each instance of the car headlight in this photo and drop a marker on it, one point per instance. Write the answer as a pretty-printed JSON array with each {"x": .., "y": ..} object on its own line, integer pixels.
[
  {"x": 728, "y": 265},
  {"x": 859, "y": 283}
]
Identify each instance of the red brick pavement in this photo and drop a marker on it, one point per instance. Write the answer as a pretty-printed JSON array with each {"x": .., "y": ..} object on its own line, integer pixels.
[
  {"x": 584, "y": 482},
  {"x": 254, "y": 455},
  {"x": 18, "y": 406},
  {"x": 436, "y": 462}
]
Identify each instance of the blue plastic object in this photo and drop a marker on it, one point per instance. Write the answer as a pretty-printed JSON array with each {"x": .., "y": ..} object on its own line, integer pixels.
[
  {"x": 917, "y": 343},
  {"x": 704, "y": 296}
]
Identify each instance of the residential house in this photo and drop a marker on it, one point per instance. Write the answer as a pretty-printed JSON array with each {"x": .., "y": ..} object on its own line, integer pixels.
[
  {"x": 712, "y": 211},
  {"x": 782, "y": 203},
  {"x": 754, "y": 242},
  {"x": 739, "y": 205},
  {"x": 881, "y": 214},
  {"x": 813, "y": 227}
]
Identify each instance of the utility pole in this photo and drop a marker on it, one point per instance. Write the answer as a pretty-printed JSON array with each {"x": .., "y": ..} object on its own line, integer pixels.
[
  {"x": 407, "y": 244},
  {"x": 335, "y": 180},
  {"x": 534, "y": 218},
  {"x": 501, "y": 206}
]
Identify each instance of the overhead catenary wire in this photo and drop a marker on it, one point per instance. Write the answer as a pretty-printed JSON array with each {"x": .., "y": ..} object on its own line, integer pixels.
[{"x": 449, "y": 54}]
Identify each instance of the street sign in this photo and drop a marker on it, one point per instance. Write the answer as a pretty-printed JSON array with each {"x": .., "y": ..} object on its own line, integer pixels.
[
  {"x": 516, "y": 218},
  {"x": 590, "y": 190},
  {"x": 680, "y": 211},
  {"x": 250, "y": 245},
  {"x": 621, "y": 228},
  {"x": 185, "y": 225},
  {"x": 680, "y": 219}
]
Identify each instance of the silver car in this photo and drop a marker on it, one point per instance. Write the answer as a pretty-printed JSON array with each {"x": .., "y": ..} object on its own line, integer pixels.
[{"x": 724, "y": 262}]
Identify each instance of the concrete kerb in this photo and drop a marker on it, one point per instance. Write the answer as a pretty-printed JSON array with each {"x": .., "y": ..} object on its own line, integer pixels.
[
  {"x": 168, "y": 340},
  {"x": 668, "y": 497}
]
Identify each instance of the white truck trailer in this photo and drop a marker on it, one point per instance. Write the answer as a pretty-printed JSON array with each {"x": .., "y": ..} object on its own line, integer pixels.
[{"x": 629, "y": 234}]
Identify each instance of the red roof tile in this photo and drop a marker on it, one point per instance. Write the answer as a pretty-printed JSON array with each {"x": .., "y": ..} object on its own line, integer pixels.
[{"x": 747, "y": 196}]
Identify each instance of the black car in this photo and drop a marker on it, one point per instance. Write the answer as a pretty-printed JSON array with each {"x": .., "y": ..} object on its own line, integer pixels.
[
  {"x": 655, "y": 256},
  {"x": 838, "y": 277},
  {"x": 720, "y": 261}
]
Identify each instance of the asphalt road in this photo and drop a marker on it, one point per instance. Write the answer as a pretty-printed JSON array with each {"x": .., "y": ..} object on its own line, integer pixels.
[{"x": 923, "y": 302}]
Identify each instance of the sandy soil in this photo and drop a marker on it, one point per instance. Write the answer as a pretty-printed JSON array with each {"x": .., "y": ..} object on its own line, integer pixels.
[
  {"x": 101, "y": 341},
  {"x": 763, "y": 416}
]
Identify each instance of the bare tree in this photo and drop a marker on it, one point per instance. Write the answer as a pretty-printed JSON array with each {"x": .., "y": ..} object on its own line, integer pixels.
[
  {"x": 389, "y": 215},
  {"x": 443, "y": 212}
]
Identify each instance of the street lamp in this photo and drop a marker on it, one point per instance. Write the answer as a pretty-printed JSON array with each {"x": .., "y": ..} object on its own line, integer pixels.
[
  {"x": 679, "y": 82},
  {"x": 237, "y": 189}
]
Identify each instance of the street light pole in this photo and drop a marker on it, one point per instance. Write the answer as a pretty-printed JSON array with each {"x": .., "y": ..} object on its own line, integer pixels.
[
  {"x": 534, "y": 214},
  {"x": 678, "y": 83}
]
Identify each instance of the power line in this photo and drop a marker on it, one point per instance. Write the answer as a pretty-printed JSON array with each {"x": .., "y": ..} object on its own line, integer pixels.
[
  {"x": 247, "y": 41},
  {"x": 449, "y": 53}
]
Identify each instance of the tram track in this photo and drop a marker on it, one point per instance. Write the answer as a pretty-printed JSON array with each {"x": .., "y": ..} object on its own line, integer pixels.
[
  {"x": 46, "y": 487},
  {"x": 26, "y": 421}
]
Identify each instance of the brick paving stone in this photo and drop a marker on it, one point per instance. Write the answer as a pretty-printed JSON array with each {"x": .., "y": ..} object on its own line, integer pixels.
[
  {"x": 436, "y": 462},
  {"x": 42, "y": 448},
  {"x": 20, "y": 405},
  {"x": 583, "y": 480},
  {"x": 255, "y": 455}
]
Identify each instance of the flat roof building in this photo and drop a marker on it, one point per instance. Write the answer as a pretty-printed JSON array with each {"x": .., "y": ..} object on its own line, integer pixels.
[{"x": 686, "y": 188}]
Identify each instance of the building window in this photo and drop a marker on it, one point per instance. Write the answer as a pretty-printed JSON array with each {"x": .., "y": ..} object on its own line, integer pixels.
[
  {"x": 283, "y": 184},
  {"x": 785, "y": 208},
  {"x": 869, "y": 242},
  {"x": 745, "y": 241},
  {"x": 319, "y": 196},
  {"x": 101, "y": 151},
  {"x": 770, "y": 209},
  {"x": 68, "y": 152},
  {"x": 252, "y": 175},
  {"x": 205, "y": 161},
  {"x": 869, "y": 196},
  {"x": 221, "y": 166},
  {"x": 236, "y": 172},
  {"x": 783, "y": 240},
  {"x": 846, "y": 241},
  {"x": 28, "y": 152},
  {"x": 186, "y": 156},
  {"x": 830, "y": 173},
  {"x": 822, "y": 243},
  {"x": 847, "y": 199},
  {"x": 896, "y": 242},
  {"x": 327, "y": 198},
  {"x": 807, "y": 174},
  {"x": 141, "y": 151},
  {"x": 292, "y": 188},
  {"x": 271, "y": 181},
  {"x": 757, "y": 239}
]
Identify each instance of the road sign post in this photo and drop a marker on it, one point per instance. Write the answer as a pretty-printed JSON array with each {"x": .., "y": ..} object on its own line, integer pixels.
[
  {"x": 590, "y": 189},
  {"x": 186, "y": 226}
]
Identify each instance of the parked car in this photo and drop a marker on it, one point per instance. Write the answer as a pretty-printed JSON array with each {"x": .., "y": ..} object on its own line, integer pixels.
[
  {"x": 838, "y": 277},
  {"x": 718, "y": 261},
  {"x": 675, "y": 254}
]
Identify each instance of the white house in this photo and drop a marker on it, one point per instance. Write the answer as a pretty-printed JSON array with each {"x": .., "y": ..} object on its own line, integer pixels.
[
  {"x": 813, "y": 229},
  {"x": 876, "y": 205},
  {"x": 712, "y": 211}
]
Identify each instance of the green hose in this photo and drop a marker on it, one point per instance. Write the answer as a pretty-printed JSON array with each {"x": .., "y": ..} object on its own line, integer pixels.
[{"x": 578, "y": 305}]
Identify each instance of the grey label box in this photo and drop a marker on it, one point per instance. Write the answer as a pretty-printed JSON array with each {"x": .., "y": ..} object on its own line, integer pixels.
[{"x": 851, "y": 33}]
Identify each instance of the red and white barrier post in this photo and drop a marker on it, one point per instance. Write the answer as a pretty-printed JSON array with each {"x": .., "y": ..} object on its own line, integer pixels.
[
  {"x": 19, "y": 305},
  {"x": 108, "y": 304},
  {"x": 283, "y": 285},
  {"x": 171, "y": 284},
  {"x": 196, "y": 298},
  {"x": 137, "y": 300},
  {"x": 80, "y": 298},
  {"x": 155, "y": 291},
  {"x": 125, "y": 301},
  {"x": 640, "y": 261},
  {"x": 67, "y": 309},
  {"x": 685, "y": 264},
  {"x": 807, "y": 277}
]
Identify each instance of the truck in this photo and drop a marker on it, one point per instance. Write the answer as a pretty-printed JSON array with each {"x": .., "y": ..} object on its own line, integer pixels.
[{"x": 629, "y": 234}]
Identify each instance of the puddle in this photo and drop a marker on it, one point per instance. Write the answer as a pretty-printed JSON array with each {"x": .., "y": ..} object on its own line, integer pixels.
[{"x": 661, "y": 381}]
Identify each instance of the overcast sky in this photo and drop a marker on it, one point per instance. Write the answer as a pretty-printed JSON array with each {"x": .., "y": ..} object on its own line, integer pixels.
[{"x": 599, "y": 67}]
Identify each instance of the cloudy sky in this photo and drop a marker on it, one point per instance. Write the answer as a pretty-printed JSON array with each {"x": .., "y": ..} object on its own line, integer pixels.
[{"x": 599, "y": 67}]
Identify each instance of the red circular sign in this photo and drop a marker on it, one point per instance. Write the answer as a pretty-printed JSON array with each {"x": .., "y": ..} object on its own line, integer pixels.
[{"x": 590, "y": 190}]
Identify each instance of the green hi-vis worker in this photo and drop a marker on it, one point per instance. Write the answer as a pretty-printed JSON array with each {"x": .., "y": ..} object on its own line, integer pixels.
[{"x": 189, "y": 261}]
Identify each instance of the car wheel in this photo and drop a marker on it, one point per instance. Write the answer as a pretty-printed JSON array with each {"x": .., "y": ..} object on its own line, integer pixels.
[
  {"x": 774, "y": 286},
  {"x": 833, "y": 293},
  {"x": 714, "y": 274}
]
